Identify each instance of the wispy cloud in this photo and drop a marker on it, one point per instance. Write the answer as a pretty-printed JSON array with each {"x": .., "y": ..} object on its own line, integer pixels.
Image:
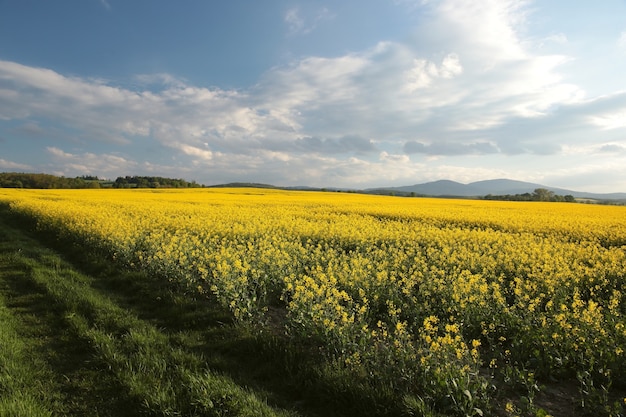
[
  {"x": 559, "y": 38},
  {"x": 302, "y": 23},
  {"x": 196, "y": 152},
  {"x": 424, "y": 72},
  {"x": 613, "y": 148},
  {"x": 294, "y": 22},
  {"x": 446, "y": 148},
  {"x": 10, "y": 165},
  {"x": 101, "y": 164},
  {"x": 159, "y": 80},
  {"x": 106, "y": 4},
  {"x": 334, "y": 146}
]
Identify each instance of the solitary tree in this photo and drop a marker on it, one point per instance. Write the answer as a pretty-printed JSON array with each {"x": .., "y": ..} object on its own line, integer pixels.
[{"x": 542, "y": 194}]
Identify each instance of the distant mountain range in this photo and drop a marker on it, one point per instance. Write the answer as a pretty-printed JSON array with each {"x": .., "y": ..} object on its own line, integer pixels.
[
  {"x": 447, "y": 188},
  {"x": 441, "y": 188}
]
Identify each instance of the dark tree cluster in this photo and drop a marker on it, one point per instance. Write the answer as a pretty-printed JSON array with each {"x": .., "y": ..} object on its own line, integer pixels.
[
  {"x": 28, "y": 180},
  {"x": 540, "y": 194},
  {"x": 152, "y": 182},
  {"x": 45, "y": 181}
]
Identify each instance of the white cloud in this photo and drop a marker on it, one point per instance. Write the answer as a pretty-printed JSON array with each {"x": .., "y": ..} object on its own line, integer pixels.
[
  {"x": 558, "y": 38},
  {"x": 294, "y": 21},
  {"x": 445, "y": 148},
  {"x": 394, "y": 158},
  {"x": 603, "y": 175},
  {"x": 159, "y": 80},
  {"x": 594, "y": 149},
  {"x": 424, "y": 72},
  {"x": 377, "y": 93},
  {"x": 490, "y": 28},
  {"x": 611, "y": 120},
  {"x": 303, "y": 23},
  {"x": 58, "y": 153},
  {"x": 10, "y": 165},
  {"x": 202, "y": 154},
  {"x": 314, "y": 81},
  {"x": 104, "y": 165},
  {"x": 614, "y": 148}
]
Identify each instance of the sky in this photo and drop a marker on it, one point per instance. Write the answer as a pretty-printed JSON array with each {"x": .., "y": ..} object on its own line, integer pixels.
[{"x": 342, "y": 93}]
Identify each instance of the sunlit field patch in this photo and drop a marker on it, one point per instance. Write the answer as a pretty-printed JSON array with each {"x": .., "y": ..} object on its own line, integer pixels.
[{"x": 437, "y": 300}]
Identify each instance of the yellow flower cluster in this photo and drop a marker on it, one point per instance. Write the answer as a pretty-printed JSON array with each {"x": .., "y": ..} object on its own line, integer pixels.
[{"x": 395, "y": 286}]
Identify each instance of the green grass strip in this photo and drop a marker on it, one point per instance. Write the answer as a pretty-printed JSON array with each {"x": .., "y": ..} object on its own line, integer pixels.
[
  {"x": 22, "y": 392},
  {"x": 168, "y": 381}
]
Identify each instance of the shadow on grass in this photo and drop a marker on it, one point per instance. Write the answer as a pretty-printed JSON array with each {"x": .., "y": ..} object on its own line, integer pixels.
[{"x": 77, "y": 384}]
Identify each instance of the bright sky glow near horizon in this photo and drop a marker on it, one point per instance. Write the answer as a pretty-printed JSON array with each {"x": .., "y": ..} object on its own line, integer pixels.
[{"x": 348, "y": 93}]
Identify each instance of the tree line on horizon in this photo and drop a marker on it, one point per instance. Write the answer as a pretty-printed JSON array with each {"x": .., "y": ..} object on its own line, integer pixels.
[
  {"x": 153, "y": 182},
  {"x": 49, "y": 181},
  {"x": 540, "y": 194}
]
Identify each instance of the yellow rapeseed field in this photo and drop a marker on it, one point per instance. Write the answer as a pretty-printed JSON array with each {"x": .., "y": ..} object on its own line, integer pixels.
[{"x": 398, "y": 290}]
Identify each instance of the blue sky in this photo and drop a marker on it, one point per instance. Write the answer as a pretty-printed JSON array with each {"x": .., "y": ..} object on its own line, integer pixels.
[{"x": 344, "y": 93}]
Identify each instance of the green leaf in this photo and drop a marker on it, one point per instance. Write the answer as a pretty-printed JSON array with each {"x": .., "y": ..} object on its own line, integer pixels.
[{"x": 468, "y": 394}]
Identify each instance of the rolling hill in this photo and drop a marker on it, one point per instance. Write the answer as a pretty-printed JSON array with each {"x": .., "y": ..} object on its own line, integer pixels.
[{"x": 444, "y": 188}]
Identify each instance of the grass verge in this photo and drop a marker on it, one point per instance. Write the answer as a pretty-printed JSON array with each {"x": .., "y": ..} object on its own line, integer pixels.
[
  {"x": 109, "y": 342},
  {"x": 21, "y": 389},
  {"x": 45, "y": 367},
  {"x": 58, "y": 318}
]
